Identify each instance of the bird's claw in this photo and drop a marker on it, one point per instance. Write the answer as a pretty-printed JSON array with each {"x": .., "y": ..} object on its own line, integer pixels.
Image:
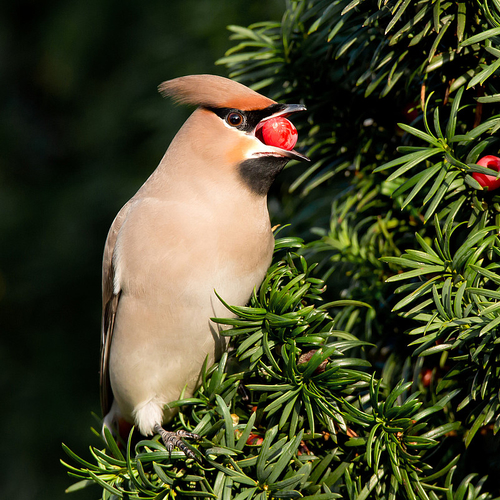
[{"x": 173, "y": 439}]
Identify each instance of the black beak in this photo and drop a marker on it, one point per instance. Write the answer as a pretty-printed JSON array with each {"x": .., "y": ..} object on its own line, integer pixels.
[
  {"x": 295, "y": 155},
  {"x": 292, "y": 108},
  {"x": 287, "y": 111}
]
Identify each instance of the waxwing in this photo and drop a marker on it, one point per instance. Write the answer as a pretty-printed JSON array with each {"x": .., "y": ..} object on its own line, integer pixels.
[{"x": 199, "y": 224}]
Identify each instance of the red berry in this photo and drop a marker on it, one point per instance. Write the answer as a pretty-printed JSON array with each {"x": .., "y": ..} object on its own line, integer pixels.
[
  {"x": 426, "y": 377},
  {"x": 489, "y": 181},
  {"x": 278, "y": 132},
  {"x": 254, "y": 439},
  {"x": 410, "y": 112}
]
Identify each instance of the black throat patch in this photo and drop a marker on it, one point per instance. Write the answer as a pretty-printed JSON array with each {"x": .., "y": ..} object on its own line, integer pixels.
[{"x": 259, "y": 173}]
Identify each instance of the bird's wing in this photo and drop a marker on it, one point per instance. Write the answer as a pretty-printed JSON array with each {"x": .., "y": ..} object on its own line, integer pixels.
[{"x": 109, "y": 306}]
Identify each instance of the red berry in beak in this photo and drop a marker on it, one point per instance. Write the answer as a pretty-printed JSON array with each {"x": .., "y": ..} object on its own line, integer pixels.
[
  {"x": 278, "y": 132},
  {"x": 489, "y": 181}
]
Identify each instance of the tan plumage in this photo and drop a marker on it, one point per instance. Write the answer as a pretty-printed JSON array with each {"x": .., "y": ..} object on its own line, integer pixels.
[
  {"x": 213, "y": 91},
  {"x": 198, "y": 224}
]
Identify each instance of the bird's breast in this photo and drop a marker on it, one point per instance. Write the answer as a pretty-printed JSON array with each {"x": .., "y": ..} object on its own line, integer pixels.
[{"x": 172, "y": 249}]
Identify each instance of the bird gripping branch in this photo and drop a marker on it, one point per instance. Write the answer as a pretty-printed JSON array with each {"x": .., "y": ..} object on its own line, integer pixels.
[{"x": 199, "y": 223}]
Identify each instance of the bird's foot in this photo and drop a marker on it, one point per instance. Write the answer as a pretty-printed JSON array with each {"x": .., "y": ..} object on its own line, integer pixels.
[{"x": 172, "y": 439}]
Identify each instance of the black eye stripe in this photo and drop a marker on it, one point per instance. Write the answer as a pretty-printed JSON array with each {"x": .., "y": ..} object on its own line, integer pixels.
[{"x": 250, "y": 118}]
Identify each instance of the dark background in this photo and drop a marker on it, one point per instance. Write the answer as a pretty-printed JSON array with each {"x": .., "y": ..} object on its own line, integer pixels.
[{"x": 81, "y": 127}]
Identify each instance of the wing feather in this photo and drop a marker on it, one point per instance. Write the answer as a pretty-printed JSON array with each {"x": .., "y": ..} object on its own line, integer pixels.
[{"x": 110, "y": 301}]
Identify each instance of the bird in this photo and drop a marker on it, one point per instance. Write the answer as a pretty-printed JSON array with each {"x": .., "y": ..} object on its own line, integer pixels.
[{"x": 197, "y": 227}]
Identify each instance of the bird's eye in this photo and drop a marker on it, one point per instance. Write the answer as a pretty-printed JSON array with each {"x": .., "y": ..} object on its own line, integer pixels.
[{"x": 234, "y": 119}]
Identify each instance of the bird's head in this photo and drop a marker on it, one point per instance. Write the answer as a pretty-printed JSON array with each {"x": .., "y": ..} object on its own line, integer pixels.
[{"x": 223, "y": 128}]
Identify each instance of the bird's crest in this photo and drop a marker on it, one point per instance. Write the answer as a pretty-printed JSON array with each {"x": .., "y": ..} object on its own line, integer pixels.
[{"x": 214, "y": 92}]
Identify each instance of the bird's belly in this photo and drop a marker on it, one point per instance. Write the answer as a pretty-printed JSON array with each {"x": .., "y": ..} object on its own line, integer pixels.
[
  {"x": 157, "y": 350},
  {"x": 163, "y": 331}
]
